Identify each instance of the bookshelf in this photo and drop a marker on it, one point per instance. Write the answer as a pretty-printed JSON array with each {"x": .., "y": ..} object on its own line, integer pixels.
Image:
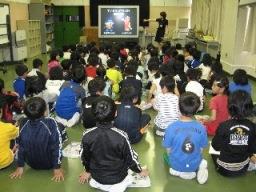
[
  {"x": 33, "y": 34},
  {"x": 44, "y": 12}
]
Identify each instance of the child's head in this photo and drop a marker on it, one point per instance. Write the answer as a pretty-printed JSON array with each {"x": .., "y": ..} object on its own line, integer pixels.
[
  {"x": 240, "y": 77},
  {"x": 189, "y": 103},
  {"x": 104, "y": 109},
  {"x": 111, "y": 63},
  {"x": 101, "y": 71},
  {"x": 96, "y": 86},
  {"x": 178, "y": 46},
  {"x": 66, "y": 64},
  {"x": 163, "y": 14},
  {"x": 93, "y": 60},
  {"x": 56, "y": 73},
  {"x": 207, "y": 60},
  {"x": 78, "y": 74},
  {"x": 194, "y": 74},
  {"x": 130, "y": 70},
  {"x": 240, "y": 104},
  {"x": 35, "y": 108},
  {"x": 178, "y": 67},
  {"x": 37, "y": 63},
  {"x": 180, "y": 58},
  {"x": 217, "y": 68},
  {"x": 165, "y": 70},
  {"x": 54, "y": 55},
  {"x": 153, "y": 64},
  {"x": 129, "y": 94},
  {"x": 167, "y": 84},
  {"x": 220, "y": 84},
  {"x": 21, "y": 70},
  {"x": 114, "y": 55}
]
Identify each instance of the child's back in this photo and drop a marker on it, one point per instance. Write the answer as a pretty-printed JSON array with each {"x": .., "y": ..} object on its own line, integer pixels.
[{"x": 7, "y": 133}]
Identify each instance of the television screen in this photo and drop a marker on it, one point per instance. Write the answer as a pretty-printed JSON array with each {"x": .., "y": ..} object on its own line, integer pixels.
[{"x": 118, "y": 21}]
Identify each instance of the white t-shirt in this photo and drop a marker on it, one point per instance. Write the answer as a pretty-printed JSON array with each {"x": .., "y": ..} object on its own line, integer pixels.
[
  {"x": 53, "y": 88},
  {"x": 197, "y": 88},
  {"x": 167, "y": 106},
  {"x": 104, "y": 59},
  {"x": 205, "y": 71}
]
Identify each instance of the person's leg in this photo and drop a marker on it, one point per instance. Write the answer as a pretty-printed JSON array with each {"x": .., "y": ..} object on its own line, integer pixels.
[
  {"x": 120, "y": 187},
  {"x": 74, "y": 120},
  {"x": 63, "y": 132},
  {"x": 183, "y": 175},
  {"x": 159, "y": 131},
  {"x": 61, "y": 120}
]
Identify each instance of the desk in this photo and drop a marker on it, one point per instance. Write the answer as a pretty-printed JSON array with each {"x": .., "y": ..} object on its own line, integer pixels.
[{"x": 211, "y": 47}]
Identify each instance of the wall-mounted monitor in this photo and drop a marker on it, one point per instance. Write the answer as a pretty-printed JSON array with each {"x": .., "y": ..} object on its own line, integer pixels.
[{"x": 118, "y": 21}]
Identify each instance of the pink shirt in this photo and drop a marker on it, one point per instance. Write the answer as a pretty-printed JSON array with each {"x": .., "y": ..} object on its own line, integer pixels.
[
  {"x": 53, "y": 64},
  {"x": 220, "y": 104}
]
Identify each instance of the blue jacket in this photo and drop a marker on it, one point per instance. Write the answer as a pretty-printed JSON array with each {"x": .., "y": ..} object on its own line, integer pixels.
[
  {"x": 40, "y": 144},
  {"x": 19, "y": 87}
]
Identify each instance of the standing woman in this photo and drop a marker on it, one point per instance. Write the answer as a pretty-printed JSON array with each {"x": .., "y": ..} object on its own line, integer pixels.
[{"x": 162, "y": 25}]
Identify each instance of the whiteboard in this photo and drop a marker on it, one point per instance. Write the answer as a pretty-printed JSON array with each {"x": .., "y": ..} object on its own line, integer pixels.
[{"x": 4, "y": 10}]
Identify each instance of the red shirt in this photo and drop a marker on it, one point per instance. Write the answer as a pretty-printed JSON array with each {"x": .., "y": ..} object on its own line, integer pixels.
[
  {"x": 90, "y": 71},
  {"x": 220, "y": 104}
]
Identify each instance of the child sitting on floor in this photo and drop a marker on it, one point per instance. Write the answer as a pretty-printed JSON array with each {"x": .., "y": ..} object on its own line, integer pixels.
[
  {"x": 106, "y": 151},
  {"x": 39, "y": 141},
  {"x": 218, "y": 105},
  {"x": 19, "y": 83},
  {"x": 68, "y": 104},
  {"x": 235, "y": 138},
  {"x": 167, "y": 105},
  {"x": 129, "y": 117},
  {"x": 184, "y": 141}
]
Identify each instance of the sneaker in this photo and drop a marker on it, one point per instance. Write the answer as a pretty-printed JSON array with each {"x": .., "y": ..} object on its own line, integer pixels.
[
  {"x": 202, "y": 174},
  {"x": 159, "y": 133},
  {"x": 251, "y": 167}
]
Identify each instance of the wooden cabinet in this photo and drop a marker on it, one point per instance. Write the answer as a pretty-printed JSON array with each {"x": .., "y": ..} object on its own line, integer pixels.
[
  {"x": 92, "y": 34},
  {"x": 33, "y": 34}
]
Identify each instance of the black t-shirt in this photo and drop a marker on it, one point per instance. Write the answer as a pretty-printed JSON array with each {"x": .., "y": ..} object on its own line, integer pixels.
[
  {"x": 236, "y": 140},
  {"x": 162, "y": 23}
]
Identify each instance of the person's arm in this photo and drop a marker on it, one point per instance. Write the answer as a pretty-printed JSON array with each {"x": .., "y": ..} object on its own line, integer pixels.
[
  {"x": 85, "y": 157},
  {"x": 151, "y": 91},
  {"x": 149, "y": 20},
  {"x": 56, "y": 145}
]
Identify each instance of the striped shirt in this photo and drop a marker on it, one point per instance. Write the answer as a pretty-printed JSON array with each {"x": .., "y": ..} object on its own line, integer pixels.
[{"x": 167, "y": 106}]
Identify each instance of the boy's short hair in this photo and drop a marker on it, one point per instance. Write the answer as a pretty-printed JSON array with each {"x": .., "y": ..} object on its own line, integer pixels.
[
  {"x": 37, "y": 63},
  {"x": 34, "y": 108},
  {"x": 66, "y": 64},
  {"x": 189, "y": 103},
  {"x": 207, "y": 59},
  {"x": 240, "y": 77},
  {"x": 194, "y": 74},
  {"x": 130, "y": 70},
  {"x": 168, "y": 82},
  {"x": 104, "y": 109},
  {"x": 56, "y": 73},
  {"x": 111, "y": 63},
  {"x": 1, "y": 85},
  {"x": 178, "y": 46},
  {"x": 21, "y": 69},
  {"x": 96, "y": 85},
  {"x": 240, "y": 104},
  {"x": 101, "y": 71},
  {"x": 128, "y": 94},
  {"x": 93, "y": 60},
  {"x": 180, "y": 58},
  {"x": 78, "y": 74},
  {"x": 178, "y": 67}
]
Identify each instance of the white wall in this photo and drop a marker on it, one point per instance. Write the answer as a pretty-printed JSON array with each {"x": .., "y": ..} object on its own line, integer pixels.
[
  {"x": 71, "y": 2},
  {"x": 228, "y": 35},
  {"x": 244, "y": 2}
]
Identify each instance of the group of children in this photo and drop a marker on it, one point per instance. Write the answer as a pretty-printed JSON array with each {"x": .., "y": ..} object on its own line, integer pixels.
[{"x": 103, "y": 88}]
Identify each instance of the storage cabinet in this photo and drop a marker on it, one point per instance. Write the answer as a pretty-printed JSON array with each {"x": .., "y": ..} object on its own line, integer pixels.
[{"x": 33, "y": 34}]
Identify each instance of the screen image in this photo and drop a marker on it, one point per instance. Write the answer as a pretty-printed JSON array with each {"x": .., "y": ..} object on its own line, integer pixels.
[{"x": 118, "y": 21}]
